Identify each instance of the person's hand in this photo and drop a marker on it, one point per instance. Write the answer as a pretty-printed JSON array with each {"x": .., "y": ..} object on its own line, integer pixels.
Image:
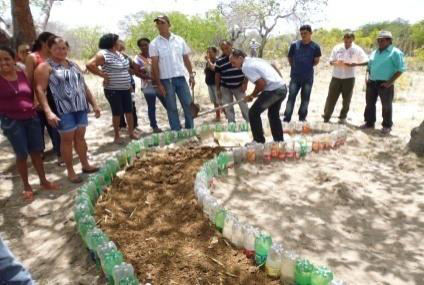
[
  {"x": 161, "y": 90},
  {"x": 52, "y": 119},
  {"x": 97, "y": 111},
  {"x": 191, "y": 81},
  {"x": 105, "y": 77},
  {"x": 249, "y": 98},
  {"x": 206, "y": 57},
  {"x": 386, "y": 84}
]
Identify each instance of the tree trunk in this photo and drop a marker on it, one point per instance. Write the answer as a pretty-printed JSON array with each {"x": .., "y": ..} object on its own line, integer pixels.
[
  {"x": 4, "y": 38},
  {"x": 264, "y": 40},
  {"x": 416, "y": 144},
  {"x": 23, "y": 24},
  {"x": 47, "y": 8}
]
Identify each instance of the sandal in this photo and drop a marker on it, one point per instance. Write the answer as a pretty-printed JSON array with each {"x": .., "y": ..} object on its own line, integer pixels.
[
  {"x": 28, "y": 196},
  {"x": 76, "y": 180},
  {"x": 90, "y": 170}
]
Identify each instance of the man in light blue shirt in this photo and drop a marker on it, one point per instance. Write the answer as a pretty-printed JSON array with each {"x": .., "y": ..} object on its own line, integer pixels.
[
  {"x": 386, "y": 64},
  {"x": 270, "y": 90}
]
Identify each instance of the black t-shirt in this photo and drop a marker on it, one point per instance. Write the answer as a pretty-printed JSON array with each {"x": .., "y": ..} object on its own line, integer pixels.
[
  {"x": 231, "y": 77},
  {"x": 209, "y": 75}
]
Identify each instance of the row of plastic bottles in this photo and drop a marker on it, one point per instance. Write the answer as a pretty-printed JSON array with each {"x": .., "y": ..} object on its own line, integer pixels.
[{"x": 278, "y": 262}]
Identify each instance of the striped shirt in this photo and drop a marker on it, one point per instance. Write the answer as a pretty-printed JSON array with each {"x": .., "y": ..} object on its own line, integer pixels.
[
  {"x": 116, "y": 66},
  {"x": 231, "y": 77},
  {"x": 67, "y": 86},
  {"x": 170, "y": 52}
]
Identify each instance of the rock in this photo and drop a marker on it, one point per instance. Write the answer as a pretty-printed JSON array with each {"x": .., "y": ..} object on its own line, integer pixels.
[{"x": 416, "y": 144}]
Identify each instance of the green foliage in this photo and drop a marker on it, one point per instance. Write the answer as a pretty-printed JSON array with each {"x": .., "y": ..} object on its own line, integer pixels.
[
  {"x": 84, "y": 41},
  {"x": 199, "y": 32}
]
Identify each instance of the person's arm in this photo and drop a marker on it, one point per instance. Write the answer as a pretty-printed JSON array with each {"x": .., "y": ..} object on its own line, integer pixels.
[
  {"x": 29, "y": 73},
  {"x": 392, "y": 80},
  {"x": 291, "y": 54},
  {"x": 210, "y": 65},
  {"x": 41, "y": 81},
  {"x": 156, "y": 75},
  {"x": 244, "y": 85},
  {"x": 91, "y": 100},
  {"x": 187, "y": 64},
  {"x": 317, "y": 55},
  {"x": 276, "y": 69},
  {"x": 94, "y": 63},
  {"x": 259, "y": 87},
  {"x": 290, "y": 59}
]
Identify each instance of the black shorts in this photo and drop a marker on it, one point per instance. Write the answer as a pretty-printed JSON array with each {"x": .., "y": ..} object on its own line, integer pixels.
[{"x": 120, "y": 101}]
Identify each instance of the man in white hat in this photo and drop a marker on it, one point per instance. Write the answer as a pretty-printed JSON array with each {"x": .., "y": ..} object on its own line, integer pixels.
[{"x": 386, "y": 64}]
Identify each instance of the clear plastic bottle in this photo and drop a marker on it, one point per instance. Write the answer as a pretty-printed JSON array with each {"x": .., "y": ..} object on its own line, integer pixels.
[
  {"x": 227, "y": 231},
  {"x": 123, "y": 274},
  {"x": 81, "y": 211},
  {"x": 86, "y": 223},
  {"x": 237, "y": 234},
  {"x": 288, "y": 267},
  {"x": 110, "y": 259},
  {"x": 220, "y": 219},
  {"x": 290, "y": 151},
  {"x": 259, "y": 153},
  {"x": 282, "y": 151},
  {"x": 275, "y": 150},
  {"x": 84, "y": 199},
  {"x": 267, "y": 152},
  {"x": 250, "y": 234},
  {"x": 237, "y": 156},
  {"x": 251, "y": 154},
  {"x": 273, "y": 261}
]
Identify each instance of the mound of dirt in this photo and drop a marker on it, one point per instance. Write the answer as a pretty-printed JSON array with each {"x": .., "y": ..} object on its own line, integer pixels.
[{"x": 153, "y": 217}]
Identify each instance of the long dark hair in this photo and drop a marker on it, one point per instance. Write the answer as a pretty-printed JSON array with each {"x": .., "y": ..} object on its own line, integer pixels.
[
  {"x": 42, "y": 38},
  {"x": 10, "y": 51}
]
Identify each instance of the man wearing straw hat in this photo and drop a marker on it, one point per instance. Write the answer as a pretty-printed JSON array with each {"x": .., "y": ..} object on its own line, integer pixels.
[{"x": 386, "y": 64}]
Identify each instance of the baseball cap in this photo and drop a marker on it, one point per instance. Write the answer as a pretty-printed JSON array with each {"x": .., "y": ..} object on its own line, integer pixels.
[
  {"x": 384, "y": 35},
  {"x": 162, "y": 18}
]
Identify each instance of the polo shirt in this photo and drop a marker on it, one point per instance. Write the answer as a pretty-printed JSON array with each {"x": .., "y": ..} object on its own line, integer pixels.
[
  {"x": 170, "y": 52},
  {"x": 303, "y": 56},
  {"x": 257, "y": 68},
  {"x": 231, "y": 77},
  {"x": 354, "y": 54},
  {"x": 384, "y": 64}
]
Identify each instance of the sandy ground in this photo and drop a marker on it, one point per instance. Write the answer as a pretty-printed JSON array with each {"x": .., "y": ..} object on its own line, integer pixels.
[{"x": 360, "y": 213}]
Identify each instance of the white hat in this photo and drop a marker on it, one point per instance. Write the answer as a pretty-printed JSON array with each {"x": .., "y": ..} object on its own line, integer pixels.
[{"x": 384, "y": 35}]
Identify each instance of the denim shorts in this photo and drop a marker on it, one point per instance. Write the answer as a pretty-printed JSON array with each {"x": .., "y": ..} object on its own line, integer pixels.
[
  {"x": 71, "y": 121},
  {"x": 120, "y": 101},
  {"x": 23, "y": 135}
]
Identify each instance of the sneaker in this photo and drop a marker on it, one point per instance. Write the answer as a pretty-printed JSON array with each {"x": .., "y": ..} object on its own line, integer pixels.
[
  {"x": 386, "y": 131},
  {"x": 342, "y": 121},
  {"x": 157, "y": 130},
  {"x": 366, "y": 126}
]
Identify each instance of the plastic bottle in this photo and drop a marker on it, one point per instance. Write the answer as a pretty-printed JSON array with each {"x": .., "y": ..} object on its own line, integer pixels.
[
  {"x": 155, "y": 139},
  {"x": 81, "y": 211},
  {"x": 122, "y": 158},
  {"x": 259, "y": 153},
  {"x": 267, "y": 152},
  {"x": 110, "y": 259},
  {"x": 251, "y": 154},
  {"x": 321, "y": 276},
  {"x": 106, "y": 173},
  {"x": 282, "y": 151},
  {"x": 227, "y": 231},
  {"x": 273, "y": 261},
  {"x": 123, "y": 274},
  {"x": 90, "y": 191},
  {"x": 303, "y": 272},
  {"x": 113, "y": 166},
  {"x": 288, "y": 267},
  {"x": 237, "y": 157},
  {"x": 316, "y": 144},
  {"x": 275, "y": 150},
  {"x": 83, "y": 198},
  {"x": 250, "y": 234},
  {"x": 262, "y": 245},
  {"x": 94, "y": 238},
  {"x": 103, "y": 248},
  {"x": 297, "y": 149},
  {"x": 298, "y": 127},
  {"x": 306, "y": 128},
  {"x": 237, "y": 234},
  {"x": 86, "y": 223},
  {"x": 214, "y": 208},
  {"x": 232, "y": 127},
  {"x": 131, "y": 155},
  {"x": 220, "y": 219},
  {"x": 290, "y": 151}
]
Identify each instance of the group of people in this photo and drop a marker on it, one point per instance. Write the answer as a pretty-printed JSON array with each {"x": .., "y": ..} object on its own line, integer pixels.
[{"x": 384, "y": 66}]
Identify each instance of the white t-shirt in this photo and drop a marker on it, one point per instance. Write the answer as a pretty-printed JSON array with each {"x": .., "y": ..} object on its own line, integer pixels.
[
  {"x": 354, "y": 54},
  {"x": 170, "y": 52},
  {"x": 257, "y": 68}
]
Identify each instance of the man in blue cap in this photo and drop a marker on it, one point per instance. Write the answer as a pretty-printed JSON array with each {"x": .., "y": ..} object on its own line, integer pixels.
[{"x": 386, "y": 64}]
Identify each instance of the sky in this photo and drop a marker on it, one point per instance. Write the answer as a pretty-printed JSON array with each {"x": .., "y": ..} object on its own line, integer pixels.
[{"x": 344, "y": 14}]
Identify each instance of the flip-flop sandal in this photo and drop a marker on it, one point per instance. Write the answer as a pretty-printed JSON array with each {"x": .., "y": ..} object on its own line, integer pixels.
[
  {"x": 76, "y": 180},
  {"x": 28, "y": 196},
  {"x": 92, "y": 170}
]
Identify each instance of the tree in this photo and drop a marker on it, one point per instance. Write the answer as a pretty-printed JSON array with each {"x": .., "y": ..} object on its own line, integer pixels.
[
  {"x": 23, "y": 24},
  {"x": 264, "y": 15},
  {"x": 46, "y": 8}
]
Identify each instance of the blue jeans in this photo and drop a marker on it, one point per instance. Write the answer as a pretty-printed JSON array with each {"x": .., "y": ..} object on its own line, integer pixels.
[
  {"x": 151, "y": 107},
  {"x": 179, "y": 86},
  {"x": 305, "y": 94},
  {"x": 24, "y": 135},
  {"x": 71, "y": 121},
  {"x": 11, "y": 272}
]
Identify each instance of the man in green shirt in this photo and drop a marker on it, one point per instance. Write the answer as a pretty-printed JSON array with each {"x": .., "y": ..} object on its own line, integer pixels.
[{"x": 386, "y": 64}]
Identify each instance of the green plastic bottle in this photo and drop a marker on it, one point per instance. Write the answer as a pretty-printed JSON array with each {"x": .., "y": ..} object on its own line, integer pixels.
[
  {"x": 263, "y": 243},
  {"x": 95, "y": 237},
  {"x": 86, "y": 223},
  {"x": 122, "y": 158},
  {"x": 80, "y": 211},
  {"x": 321, "y": 276},
  {"x": 90, "y": 191},
  {"x": 123, "y": 274},
  {"x": 155, "y": 139},
  {"x": 107, "y": 175},
  {"x": 303, "y": 272},
  {"x": 111, "y": 259},
  {"x": 83, "y": 198},
  {"x": 220, "y": 219}
]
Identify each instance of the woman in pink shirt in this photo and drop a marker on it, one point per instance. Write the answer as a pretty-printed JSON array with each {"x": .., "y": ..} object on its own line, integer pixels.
[{"x": 19, "y": 121}]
